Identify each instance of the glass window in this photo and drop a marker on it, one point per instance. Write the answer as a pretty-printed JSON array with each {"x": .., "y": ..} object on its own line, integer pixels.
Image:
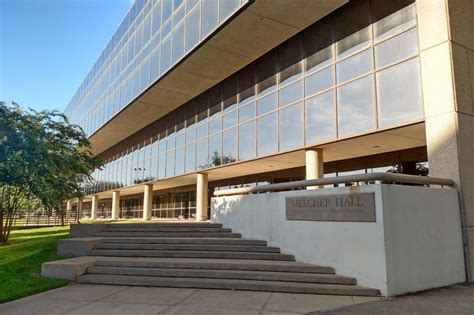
[
  {"x": 226, "y": 7},
  {"x": 267, "y": 103},
  {"x": 396, "y": 48},
  {"x": 246, "y": 83},
  {"x": 290, "y": 93},
  {"x": 319, "y": 81},
  {"x": 180, "y": 139},
  {"x": 155, "y": 64},
  {"x": 291, "y": 127},
  {"x": 178, "y": 43},
  {"x": 190, "y": 4},
  {"x": 179, "y": 168},
  {"x": 201, "y": 154},
  {"x": 290, "y": 56},
  {"x": 267, "y": 134},
  {"x": 167, "y": 9},
  {"x": 146, "y": 73},
  {"x": 170, "y": 143},
  {"x": 215, "y": 150},
  {"x": 229, "y": 93},
  {"x": 166, "y": 29},
  {"x": 215, "y": 125},
  {"x": 191, "y": 157},
  {"x": 318, "y": 45},
  {"x": 320, "y": 118},
  {"x": 399, "y": 94},
  {"x": 355, "y": 102},
  {"x": 156, "y": 22},
  {"x": 247, "y": 112},
  {"x": 202, "y": 130},
  {"x": 230, "y": 119},
  {"x": 354, "y": 66},
  {"x": 170, "y": 158},
  {"x": 162, "y": 166},
  {"x": 190, "y": 135},
  {"x": 229, "y": 150},
  {"x": 192, "y": 29},
  {"x": 209, "y": 16},
  {"x": 165, "y": 55},
  {"x": 138, "y": 39},
  {"x": 147, "y": 29},
  {"x": 247, "y": 141},
  {"x": 267, "y": 69},
  {"x": 392, "y": 17}
]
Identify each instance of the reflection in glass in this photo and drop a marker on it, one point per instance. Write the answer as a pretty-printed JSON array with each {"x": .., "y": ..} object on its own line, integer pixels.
[
  {"x": 170, "y": 158},
  {"x": 192, "y": 29},
  {"x": 215, "y": 150},
  {"x": 356, "y": 111},
  {"x": 291, "y": 127},
  {"x": 267, "y": 134},
  {"x": 354, "y": 66},
  {"x": 320, "y": 118},
  {"x": 396, "y": 48},
  {"x": 267, "y": 103},
  {"x": 230, "y": 119},
  {"x": 201, "y": 154},
  {"x": 226, "y": 7},
  {"x": 399, "y": 94},
  {"x": 267, "y": 69},
  {"x": 165, "y": 55},
  {"x": 290, "y": 93},
  {"x": 319, "y": 81},
  {"x": 162, "y": 166},
  {"x": 396, "y": 21},
  {"x": 178, "y": 43},
  {"x": 247, "y": 141},
  {"x": 290, "y": 55},
  {"x": 229, "y": 149},
  {"x": 190, "y": 157},
  {"x": 209, "y": 16},
  {"x": 247, "y": 112}
]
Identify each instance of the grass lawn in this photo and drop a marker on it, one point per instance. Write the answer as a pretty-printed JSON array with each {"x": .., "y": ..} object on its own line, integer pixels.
[{"x": 21, "y": 259}]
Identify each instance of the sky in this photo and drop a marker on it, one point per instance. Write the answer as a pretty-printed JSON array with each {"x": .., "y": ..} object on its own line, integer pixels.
[{"x": 47, "y": 47}]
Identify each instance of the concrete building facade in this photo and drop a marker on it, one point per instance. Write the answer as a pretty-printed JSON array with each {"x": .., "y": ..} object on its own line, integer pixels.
[{"x": 190, "y": 97}]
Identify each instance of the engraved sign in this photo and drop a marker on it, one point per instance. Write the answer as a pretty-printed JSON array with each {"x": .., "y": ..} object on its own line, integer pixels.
[{"x": 353, "y": 207}]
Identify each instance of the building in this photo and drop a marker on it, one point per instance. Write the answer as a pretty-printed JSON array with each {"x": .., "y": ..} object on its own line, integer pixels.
[{"x": 190, "y": 97}]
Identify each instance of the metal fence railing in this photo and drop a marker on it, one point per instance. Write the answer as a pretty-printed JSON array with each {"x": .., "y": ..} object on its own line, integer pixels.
[{"x": 42, "y": 218}]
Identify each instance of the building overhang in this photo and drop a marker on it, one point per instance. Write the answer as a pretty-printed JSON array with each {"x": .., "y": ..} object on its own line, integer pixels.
[{"x": 259, "y": 27}]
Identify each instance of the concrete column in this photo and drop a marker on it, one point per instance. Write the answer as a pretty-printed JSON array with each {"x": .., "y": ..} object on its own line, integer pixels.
[
  {"x": 147, "y": 201},
  {"x": 95, "y": 206},
  {"x": 69, "y": 205},
  {"x": 79, "y": 209},
  {"x": 314, "y": 165},
  {"x": 201, "y": 197},
  {"x": 115, "y": 205},
  {"x": 447, "y": 71}
]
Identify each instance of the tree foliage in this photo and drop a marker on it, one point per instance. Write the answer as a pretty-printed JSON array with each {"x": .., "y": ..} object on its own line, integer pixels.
[{"x": 43, "y": 156}]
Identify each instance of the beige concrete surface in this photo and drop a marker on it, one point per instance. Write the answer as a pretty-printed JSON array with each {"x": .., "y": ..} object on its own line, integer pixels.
[{"x": 107, "y": 299}]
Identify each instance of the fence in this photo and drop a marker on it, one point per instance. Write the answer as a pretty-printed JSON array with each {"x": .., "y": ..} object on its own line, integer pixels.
[{"x": 42, "y": 218}]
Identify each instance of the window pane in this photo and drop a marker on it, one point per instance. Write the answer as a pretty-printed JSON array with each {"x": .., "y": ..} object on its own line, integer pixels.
[
  {"x": 165, "y": 55},
  {"x": 155, "y": 64},
  {"x": 393, "y": 18},
  {"x": 215, "y": 125},
  {"x": 318, "y": 45},
  {"x": 267, "y": 135},
  {"x": 167, "y": 9},
  {"x": 230, "y": 119},
  {"x": 354, "y": 66},
  {"x": 156, "y": 21},
  {"x": 147, "y": 29},
  {"x": 179, "y": 168},
  {"x": 291, "y": 127},
  {"x": 396, "y": 48},
  {"x": 162, "y": 166},
  {"x": 146, "y": 73},
  {"x": 267, "y": 69},
  {"x": 192, "y": 29},
  {"x": 202, "y": 129},
  {"x": 170, "y": 164},
  {"x": 399, "y": 94},
  {"x": 291, "y": 93},
  {"x": 190, "y": 157},
  {"x": 209, "y": 16},
  {"x": 247, "y": 83},
  {"x": 290, "y": 56},
  {"x": 320, "y": 118},
  {"x": 201, "y": 154},
  {"x": 247, "y": 141},
  {"x": 267, "y": 103},
  {"x": 320, "y": 81},
  {"x": 355, "y": 103},
  {"x": 178, "y": 43},
  {"x": 190, "y": 135},
  {"x": 247, "y": 112},
  {"x": 229, "y": 150},
  {"x": 226, "y": 7},
  {"x": 215, "y": 150}
]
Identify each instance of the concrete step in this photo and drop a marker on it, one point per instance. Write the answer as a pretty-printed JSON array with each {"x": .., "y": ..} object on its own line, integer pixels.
[
  {"x": 185, "y": 240},
  {"x": 224, "y": 274},
  {"x": 231, "y": 284},
  {"x": 189, "y": 254},
  {"x": 166, "y": 225},
  {"x": 166, "y": 229},
  {"x": 221, "y": 264},
  {"x": 191, "y": 247},
  {"x": 167, "y": 234}
]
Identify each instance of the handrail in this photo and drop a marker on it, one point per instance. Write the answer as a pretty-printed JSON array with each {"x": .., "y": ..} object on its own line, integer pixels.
[{"x": 388, "y": 177}]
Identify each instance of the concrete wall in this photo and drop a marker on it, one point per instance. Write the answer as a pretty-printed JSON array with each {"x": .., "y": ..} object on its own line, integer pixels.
[{"x": 414, "y": 244}]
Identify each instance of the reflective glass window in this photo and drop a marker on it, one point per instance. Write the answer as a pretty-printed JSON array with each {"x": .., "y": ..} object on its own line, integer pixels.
[
  {"x": 354, "y": 66},
  {"x": 319, "y": 81},
  {"x": 146, "y": 73},
  {"x": 190, "y": 135},
  {"x": 230, "y": 119},
  {"x": 246, "y": 83},
  {"x": 355, "y": 102},
  {"x": 147, "y": 29},
  {"x": 247, "y": 112},
  {"x": 320, "y": 118},
  {"x": 156, "y": 19},
  {"x": 138, "y": 39},
  {"x": 215, "y": 150},
  {"x": 215, "y": 125},
  {"x": 291, "y": 127},
  {"x": 202, "y": 130},
  {"x": 267, "y": 69},
  {"x": 290, "y": 93},
  {"x": 267, "y": 103},
  {"x": 290, "y": 56},
  {"x": 170, "y": 159},
  {"x": 201, "y": 154},
  {"x": 399, "y": 94},
  {"x": 165, "y": 55},
  {"x": 247, "y": 141},
  {"x": 267, "y": 134},
  {"x": 190, "y": 157},
  {"x": 396, "y": 48},
  {"x": 229, "y": 150},
  {"x": 226, "y": 7},
  {"x": 155, "y": 64},
  {"x": 178, "y": 43},
  {"x": 317, "y": 45},
  {"x": 192, "y": 28},
  {"x": 179, "y": 167},
  {"x": 167, "y": 9},
  {"x": 392, "y": 17},
  {"x": 209, "y": 16},
  {"x": 162, "y": 166}
]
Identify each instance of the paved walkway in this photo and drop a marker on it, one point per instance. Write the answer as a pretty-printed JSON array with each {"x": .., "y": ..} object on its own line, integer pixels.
[{"x": 123, "y": 300}]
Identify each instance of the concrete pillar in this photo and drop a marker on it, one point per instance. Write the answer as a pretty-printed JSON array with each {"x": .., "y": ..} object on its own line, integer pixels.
[
  {"x": 79, "y": 209},
  {"x": 447, "y": 71},
  {"x": 69, "y": 205},
  {"x": 314, "y": 165},
  {"x": 201, "y": 197},
  {"x": 95, "y": 206},
  {"x": 147, "y": 201},
  {"x": 115, "y": 205}
]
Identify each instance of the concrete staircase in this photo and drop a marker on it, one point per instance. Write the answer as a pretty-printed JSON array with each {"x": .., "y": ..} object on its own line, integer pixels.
[{"x": 205, "y": 255}]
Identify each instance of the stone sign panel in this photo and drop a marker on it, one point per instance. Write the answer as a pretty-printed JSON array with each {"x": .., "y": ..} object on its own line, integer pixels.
[{"x": 353, "y": 207}]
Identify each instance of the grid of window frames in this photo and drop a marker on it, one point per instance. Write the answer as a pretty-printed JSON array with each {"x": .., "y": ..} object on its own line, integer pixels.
[
  {"x": 153, "y": 36},
  {"x": 354, "y": 72}
]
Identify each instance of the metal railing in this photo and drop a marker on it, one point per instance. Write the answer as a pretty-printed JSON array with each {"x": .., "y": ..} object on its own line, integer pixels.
[
  {"x": 40, "y": 218},
  {"x": 367, "y": 178}
]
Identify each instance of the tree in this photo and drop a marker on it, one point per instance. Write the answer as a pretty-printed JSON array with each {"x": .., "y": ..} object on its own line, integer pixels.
[{"x": 43, "y": 156}]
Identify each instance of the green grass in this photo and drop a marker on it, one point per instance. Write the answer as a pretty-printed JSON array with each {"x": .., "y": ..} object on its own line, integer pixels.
[{"x": 21, "y": 259}]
